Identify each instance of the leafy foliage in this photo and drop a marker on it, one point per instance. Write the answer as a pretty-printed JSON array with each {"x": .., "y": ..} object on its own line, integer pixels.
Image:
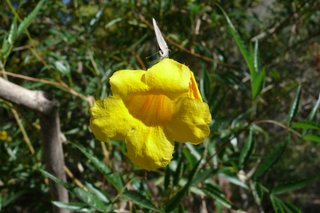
[{"x": 257, "y": 64}]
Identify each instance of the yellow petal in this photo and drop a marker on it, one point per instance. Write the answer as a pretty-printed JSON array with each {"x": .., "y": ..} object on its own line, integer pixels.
[
  {"x": 148, "y": 147},
  {"x": 168, "y": 77},
  {"x": 193, "y": 88},
  {"x": 128, "y": 82},
  {"x": 191, "y": 121},
  {"x": 110, "y": 119}
]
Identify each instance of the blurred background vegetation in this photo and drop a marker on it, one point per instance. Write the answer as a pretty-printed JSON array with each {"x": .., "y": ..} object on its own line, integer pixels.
[{"x": 263, "y": 151}]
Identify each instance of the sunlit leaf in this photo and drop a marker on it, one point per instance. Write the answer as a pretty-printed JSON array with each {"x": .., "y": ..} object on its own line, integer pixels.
[
  {"x": 29, "y": 19},
  {"x": 305, "y": 125},
  {"x": 312, "y": 138},
  {"x": 79, "y": 207},
  {"x": 295, "y": 105},
  {"x": 90, "y": 198},
  {"x": 97, "y": 192},
  {"x": 314, "y": 110},
  {"x": 251, "y": 58}
]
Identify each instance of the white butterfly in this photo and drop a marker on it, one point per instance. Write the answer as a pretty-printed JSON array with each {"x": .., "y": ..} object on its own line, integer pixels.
[{"x": 164, "y": 50}]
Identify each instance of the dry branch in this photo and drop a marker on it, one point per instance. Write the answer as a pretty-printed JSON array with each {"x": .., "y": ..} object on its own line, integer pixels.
[{"x": 50, "y": 130}]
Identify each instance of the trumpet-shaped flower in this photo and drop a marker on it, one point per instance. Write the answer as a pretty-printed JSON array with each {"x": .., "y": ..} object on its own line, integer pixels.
[{"x": 150, "y": 110}]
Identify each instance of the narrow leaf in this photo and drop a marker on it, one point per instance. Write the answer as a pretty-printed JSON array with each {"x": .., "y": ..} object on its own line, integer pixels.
[
  {"x": 269, "y": 161},
  {"x": 314, "y": 110},
  {"x": 28, "y": 20},
  {"x": 79, "y": 207},
  {"x": 294, "y": 105},
  {"x": 176, "y": 199},
  {"x": 236, "y": 37},
  {"x": 256, "y": 56},
  {"x": 202, "y": 176},
  {"x": 140, "y": 200},
  {"x": 251, "y": 59},
  {"x": 280, "y": 206},
  {"x": 97, "y": 192},
  {"x": 312, "y": 114},
  {"x": 89, "y": 198},
  {"x": 288, "y": 187},
  {"x": 13, "y": 32},
  {"x": 113, "y": 178},
  {"x": 246, "y": 150},
  {"x": 257, "y": 80},
  {"x": 233, "y": 179},
  {"x": 312, "y": 138},
  {"x": 6, "y": 47},
  {"x": 217, "y": 195},
  {"x": 276, "y": 204},
  {"x": 56, "y": 180},
  {"x": 306, "y": 125}
]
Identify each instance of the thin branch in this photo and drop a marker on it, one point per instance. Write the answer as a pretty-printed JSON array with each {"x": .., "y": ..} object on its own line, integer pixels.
[
  {"x": 60, "y": 84},
  {"x": 280, "y": 125}
]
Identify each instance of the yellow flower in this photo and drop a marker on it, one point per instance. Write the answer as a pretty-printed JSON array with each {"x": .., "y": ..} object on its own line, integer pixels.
[
  {"x": 150, "y": 110},
  {"x": 4, "y": 136}
]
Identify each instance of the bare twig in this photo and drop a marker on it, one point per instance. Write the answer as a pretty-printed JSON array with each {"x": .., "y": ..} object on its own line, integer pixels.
[{"x": 59, "y": 84}]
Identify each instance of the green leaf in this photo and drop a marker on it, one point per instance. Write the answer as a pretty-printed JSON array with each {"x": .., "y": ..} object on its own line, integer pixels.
[
  {"x": 5, "y": 50},
  {"x": 89, "y": 198},
  {"x": 283, "y": 207},
  {"x": 236, "y": 37},
  {"x": 312, "y": 138},
  {"x": 246, "y": 150},
  {"x": 294, "y": 105},
  {"x": 167, "y": 178},
  {"x": 10, "y": 199},
  {"x": 256, "y": 64},
  {"x": 97, "y": 192},
  {"x": 79, "y": 207},
  {"x": 205, "y": 84},
  {"x": 114, "y": 178},
  {"x": 57, "y": 180},
  {"x": 13, "y": 33},
  {"x": 277, "y": 204},
  {"x": 312, "y": 114},
  {"x": 314, "y": 110},
  {"x": 288, "y": 187},
  {"x": 257, "y": 80},
  {"x": 269, "y": 160},
  {"x": 176, "y": 199},
  {"x": 251, "y": 59},
  {"x": 305, "y": 125},
  {"x": 140, "y": 200},
  {"x": 28, "y": 20},
  {"x": 217, "y": 195},
  {"x": 203, "y": 175},
  {"x": 233, "y": 178},
  {"x": 63, "y": 67},
  {"x": 178, "y": 173}
]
